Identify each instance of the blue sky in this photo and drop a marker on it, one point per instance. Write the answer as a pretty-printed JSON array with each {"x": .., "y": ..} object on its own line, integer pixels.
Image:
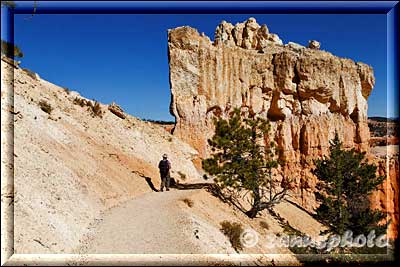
[{"x": 123, "y": 58}]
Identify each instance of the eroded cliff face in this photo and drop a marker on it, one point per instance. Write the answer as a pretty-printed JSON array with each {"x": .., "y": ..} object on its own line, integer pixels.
[
  {"x": 386, "y": 198},
  {"x": 307, "y": 94}
]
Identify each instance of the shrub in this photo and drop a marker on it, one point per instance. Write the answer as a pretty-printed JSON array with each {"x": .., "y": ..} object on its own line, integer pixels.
[
  {"x": 233, "y": 231},
  {"x": 10, "y": 4},
  {"x": 30, "y": 73},
  {"x": 9, "y": 49},
  {"x": 288, "y": 230},
  {"x": 96, "y": 109},
  {"x": 66, "y": 90},
  {"x": 347, "y": 180},
  {"x": 264, "y": 225},
  {"x": 46, "y": 107},
  {"x": 188, "y": 202},
  {"x": 182, "y": 175},
  {"x": 80, "y": 101}
]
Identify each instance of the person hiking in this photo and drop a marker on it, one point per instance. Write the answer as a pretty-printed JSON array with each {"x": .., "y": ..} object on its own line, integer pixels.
[{"x": 165, "y": 167}]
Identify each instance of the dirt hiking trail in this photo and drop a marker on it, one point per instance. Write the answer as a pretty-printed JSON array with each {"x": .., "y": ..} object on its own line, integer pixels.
[{"x": 149, "y": 224}]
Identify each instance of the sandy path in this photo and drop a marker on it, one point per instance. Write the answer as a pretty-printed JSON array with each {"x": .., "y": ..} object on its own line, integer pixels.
[{"x": 152, "y": 223}]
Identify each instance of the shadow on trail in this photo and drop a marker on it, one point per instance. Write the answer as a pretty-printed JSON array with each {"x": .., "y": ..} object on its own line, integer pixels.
[
  {"x": 180, "y": 186},
  {"x": 189, "y": 186},
  {"x": 212, "y": 188},
  {"x": 150, "y": 183}
]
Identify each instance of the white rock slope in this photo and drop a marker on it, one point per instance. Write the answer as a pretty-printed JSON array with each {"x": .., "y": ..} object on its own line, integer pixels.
[{"x": 70, "y": 166}]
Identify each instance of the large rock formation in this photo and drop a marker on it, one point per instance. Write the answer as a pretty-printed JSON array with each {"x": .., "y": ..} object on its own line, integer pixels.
[
  {"x": 306, "y": 93},
  {"x": 386, "y": 158}
]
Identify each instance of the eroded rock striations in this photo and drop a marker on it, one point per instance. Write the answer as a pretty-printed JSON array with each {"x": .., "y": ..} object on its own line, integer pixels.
[
  {"x": 306, "y": 93},
  {"x": 387, "y": 197}
]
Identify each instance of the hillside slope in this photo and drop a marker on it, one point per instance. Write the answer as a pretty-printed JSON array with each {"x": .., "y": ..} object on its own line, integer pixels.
[
  {"x": 85, "y": 184},
  {"x": 69, "y": 166}
]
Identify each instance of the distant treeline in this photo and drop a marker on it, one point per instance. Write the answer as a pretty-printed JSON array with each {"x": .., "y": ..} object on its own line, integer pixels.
[
  {"x": 383, "y": 119},
  {"x": 381, "y": 126},
  {"x": 159, "y": 121}
]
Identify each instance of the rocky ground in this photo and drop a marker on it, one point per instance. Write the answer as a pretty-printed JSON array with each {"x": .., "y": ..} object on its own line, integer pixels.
[{"x": 85, "y": 183}]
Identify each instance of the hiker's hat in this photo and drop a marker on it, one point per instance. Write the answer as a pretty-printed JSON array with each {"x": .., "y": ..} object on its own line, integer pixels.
[{"x": 165, "y": 156}]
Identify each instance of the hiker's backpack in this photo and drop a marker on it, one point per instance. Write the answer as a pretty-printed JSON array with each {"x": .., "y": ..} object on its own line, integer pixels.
[{"x": 164, "y": 166}]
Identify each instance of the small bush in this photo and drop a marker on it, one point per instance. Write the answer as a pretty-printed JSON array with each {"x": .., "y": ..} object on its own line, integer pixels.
[
  {"x": 96, "y": 109},
  {"x": 182, "y": 175},
  {"x": 233, "y": 231},
  {"x": 30, "y": 73},
  {"x": 264, "y": 225},
  {"x": 66, "y": 90},
  {"x": 288, "y": 230},
  {"x": 188, "y": 202},
  {"x": 80, "y": 101},
  {"x": 9, "y": 49},
  {"x": 46, "y": 107}
]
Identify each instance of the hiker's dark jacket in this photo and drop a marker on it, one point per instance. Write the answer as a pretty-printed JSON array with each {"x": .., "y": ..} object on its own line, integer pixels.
[{"x": 164, "y": 167}]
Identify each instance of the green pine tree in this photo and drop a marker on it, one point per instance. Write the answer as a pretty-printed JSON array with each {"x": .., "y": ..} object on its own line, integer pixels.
[
  {"x": 10, "y": 50},
  {"x": 347, "y": 181},
  {"x": 241, "y": 161},
  {"x": 10, "y": 4}
]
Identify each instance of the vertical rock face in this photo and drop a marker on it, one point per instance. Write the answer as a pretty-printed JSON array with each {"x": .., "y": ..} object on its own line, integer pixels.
[
  {"x": 306, "y": 93},
  {"x": 387, "y": 197}
]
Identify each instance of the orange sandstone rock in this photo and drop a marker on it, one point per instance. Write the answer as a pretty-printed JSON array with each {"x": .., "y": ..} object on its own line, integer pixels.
[{"x": 306, "y": 93}]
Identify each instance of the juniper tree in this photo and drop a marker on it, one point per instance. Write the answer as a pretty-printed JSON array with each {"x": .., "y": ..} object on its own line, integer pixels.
[
  {"x": 13, "y": 5},
  {"x": 10, "y": 4},
  {"x": 347, "y": 181},
  {"x": 241, "y": 161},
  {"x": 10, "y": 50}
]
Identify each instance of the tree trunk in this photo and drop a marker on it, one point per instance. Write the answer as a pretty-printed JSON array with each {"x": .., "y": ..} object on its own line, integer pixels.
[
  {"x": 252, "y": 213},
  {"x": 257, "y": 204},
  {"x": 341, "y": 222}
]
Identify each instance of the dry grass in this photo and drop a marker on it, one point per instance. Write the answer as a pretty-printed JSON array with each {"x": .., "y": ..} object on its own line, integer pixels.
[
  {"x": 80, "y": 101},
  {"x": 188, "y": 202},
  {"x": 182, "y": 175},
  {"x": 264, "y": 225},
  {"x": 45, "y": 106},
  {"x": 233, "y": 231},
  {"x": 66, "y": 90},
  {"x": 30, "y": 73},
  {"x": 94, "y": 108}
]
